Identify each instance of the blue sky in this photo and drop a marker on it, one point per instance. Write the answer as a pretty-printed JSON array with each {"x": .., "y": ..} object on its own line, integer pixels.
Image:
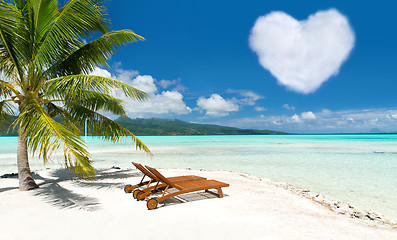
[{"x": 203, "y": 62}]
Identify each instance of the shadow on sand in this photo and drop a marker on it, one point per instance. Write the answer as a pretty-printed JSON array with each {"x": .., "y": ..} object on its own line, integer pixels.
[
  {"x": 7, "y": 189},
  {"x": 186, "y": 198},
  {"x": 52, "y": 191}
]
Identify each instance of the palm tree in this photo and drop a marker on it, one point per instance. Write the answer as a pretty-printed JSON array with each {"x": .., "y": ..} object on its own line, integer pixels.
[{"x": 45, "y": 62}]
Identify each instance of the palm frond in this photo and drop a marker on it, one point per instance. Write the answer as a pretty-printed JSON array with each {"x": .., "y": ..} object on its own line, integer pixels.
[
  {"x": 98, "y": 124},
  {"x": 92, "y": 54},
  {"x": 99, "y": 101},
  {"x": 46, "y": 136},
  {"x": 6, "y": 65},
  {"x": 6, "y": 89},
  {"x": 44, "y": 14},
  {"x": 77, "y": 19},
  {"x": 102, "y": 126},
  {"x": 54, "y": 111},
  {"x": 5, "y": 111},
  {"x": 94, "y": 101},
  {"x": 75, "y": 85},
  {"x": 9, "y": 38}
]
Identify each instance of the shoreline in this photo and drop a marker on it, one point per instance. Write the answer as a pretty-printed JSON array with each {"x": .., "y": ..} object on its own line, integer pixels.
[
  {"x": 341, "y": 168},
  {"x": 338, "y": 207},
  {"x": 252, "y": 207}
]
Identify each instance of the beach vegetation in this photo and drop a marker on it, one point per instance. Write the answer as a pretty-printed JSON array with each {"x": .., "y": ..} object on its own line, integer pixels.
[
  {"x": 158, "y": 126},
  {"x": 48, "y": 51}
]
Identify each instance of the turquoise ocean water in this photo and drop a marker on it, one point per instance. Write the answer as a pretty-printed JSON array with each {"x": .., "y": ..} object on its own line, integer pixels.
[{"x": 359, "y": 169}]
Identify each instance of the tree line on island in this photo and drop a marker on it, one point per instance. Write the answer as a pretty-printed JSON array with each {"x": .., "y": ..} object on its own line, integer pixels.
[
  {"x": 166, "y": 127},
  {"x": 158, "y": 126}
]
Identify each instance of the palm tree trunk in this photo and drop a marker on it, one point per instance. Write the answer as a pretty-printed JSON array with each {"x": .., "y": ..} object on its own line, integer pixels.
[{"x": 26, "y": 181}]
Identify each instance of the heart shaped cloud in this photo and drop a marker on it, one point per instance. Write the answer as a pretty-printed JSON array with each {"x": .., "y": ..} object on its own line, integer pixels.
[{"x": 302, "y": 54}]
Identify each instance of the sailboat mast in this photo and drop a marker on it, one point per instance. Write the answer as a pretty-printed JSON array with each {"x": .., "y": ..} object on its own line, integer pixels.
[{"x": 85, "y": 131}]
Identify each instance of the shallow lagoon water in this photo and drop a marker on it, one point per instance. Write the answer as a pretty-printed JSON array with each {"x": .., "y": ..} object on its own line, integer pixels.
[{"x": 359, "y": 169}]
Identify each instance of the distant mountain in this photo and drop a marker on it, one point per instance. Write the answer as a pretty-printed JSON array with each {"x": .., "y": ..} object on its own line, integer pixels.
[
  {"x": 157, "y": 126},
  {"x": 376, "y": 130}
]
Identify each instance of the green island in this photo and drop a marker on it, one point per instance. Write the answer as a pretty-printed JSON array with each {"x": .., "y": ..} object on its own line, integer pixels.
[{"x": 159, "y": 126}]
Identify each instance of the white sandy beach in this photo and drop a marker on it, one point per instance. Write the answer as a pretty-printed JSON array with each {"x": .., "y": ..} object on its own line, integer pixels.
[{"x": 253, "y": 208}]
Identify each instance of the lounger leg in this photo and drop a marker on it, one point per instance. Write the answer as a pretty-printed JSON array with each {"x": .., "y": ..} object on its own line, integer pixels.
[{"x": 220, "y": 193}]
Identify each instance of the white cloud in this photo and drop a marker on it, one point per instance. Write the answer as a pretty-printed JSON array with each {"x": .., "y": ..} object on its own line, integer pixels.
[
  {"x": 308, "y": 115},
  {"x": 158, "y": 103},
  {"x": 101, "y": 72},
  {"x": 347, "y": 121},
  {"x": 126, "y": 75},
  {"x": 304, "y": 116},
  {"x": 175, "y": 84},
  {"x": 260, "y": 109},
  {"x": 144, "y": 83},
  {"x": 217, "y": 106},
  {"x": 350, "y": 119},
  {"x": 288, "y": 107},
  {"x": 302, "y": 54},
  {"x": 249, "y": 97},
  {"x": 165, "y": 103},
  {"x": 296, "y": 118},
  {"x": 326, "y": 111},
  {"x": 374, "y": 121},
  {"x": 167, "y": 83},
  {"x": 276, "y": 122}
]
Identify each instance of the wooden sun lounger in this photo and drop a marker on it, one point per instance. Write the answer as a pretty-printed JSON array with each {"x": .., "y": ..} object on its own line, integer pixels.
[
  {"x": 150, "y": 189},
  {"x": 183, "y": 187}
]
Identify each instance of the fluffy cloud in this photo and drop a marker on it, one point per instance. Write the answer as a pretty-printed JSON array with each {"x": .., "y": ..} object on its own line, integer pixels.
[
  {"x": 101, "y": 72},
  {"x": 288, "y": 107},
  {"x": 144, "y": 83},
  {"x": 158, "y": 103},
  {"x": 166, "y": 83},
  {"x": 176, "y": 84},
  {"x": 304, "y": 116},
  {"x": 347, "y": 121},
  {"x": 260, "y": 109},
  {"x": 326, "y": 111},
  {"x": 302, "y": 54},
  {"x": 126, "y": 75},
  {"x": 164, "y": 103},
  {"x": 249, "y": 97},
  {"x": 308, "y": 115},
  {"x": 296, "y": 118},
  {"x": 350, "y": 119},
  {"x": 217, "y": 106}
]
